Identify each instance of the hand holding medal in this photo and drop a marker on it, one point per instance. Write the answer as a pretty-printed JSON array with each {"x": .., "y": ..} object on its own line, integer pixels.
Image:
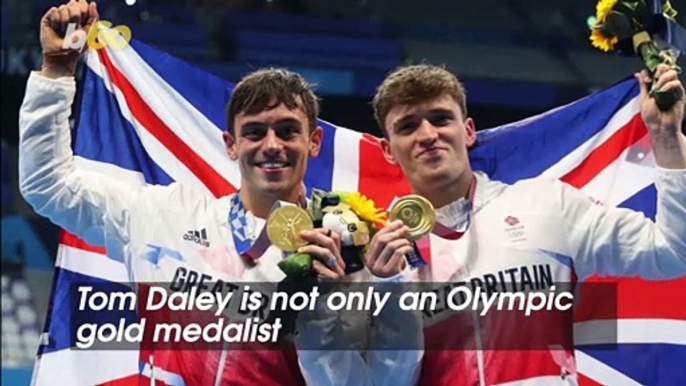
[
  {"x": 284, "y": 226},
  {"x": 330, "y": 238},
  {"x": 417, "y": 213},
  {"x": 411, "y": 218}
]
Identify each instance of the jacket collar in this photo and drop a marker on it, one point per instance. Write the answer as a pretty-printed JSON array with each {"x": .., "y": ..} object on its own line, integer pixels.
[{"x": 456, "y": 213}]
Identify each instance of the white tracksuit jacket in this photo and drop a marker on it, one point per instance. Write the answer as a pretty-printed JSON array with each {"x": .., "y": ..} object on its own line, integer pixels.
[
  {"x": 536, "y": 233},
  {"x": 148, "y": 228}
]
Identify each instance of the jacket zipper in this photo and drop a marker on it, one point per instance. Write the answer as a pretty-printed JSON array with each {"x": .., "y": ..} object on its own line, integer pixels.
[
  {"x": 222, "y": 364},
  {"x": 479, "y": 349}
]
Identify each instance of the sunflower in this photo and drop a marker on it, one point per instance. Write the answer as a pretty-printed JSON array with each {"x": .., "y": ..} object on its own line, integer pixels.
[
  {"x": 603, "y": 9},
  {"x": 598, "y": 38},
  {"x": 364, "y": 208}
]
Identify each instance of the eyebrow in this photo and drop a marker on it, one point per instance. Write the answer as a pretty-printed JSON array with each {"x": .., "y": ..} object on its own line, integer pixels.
[
  {"x": 288, "y": 120},
  {"x": 441, "y": 110},
  {"x": 409, "y": 116},
  {"x": 260, "y": 124},
  {"x": 254, "y": 125}
]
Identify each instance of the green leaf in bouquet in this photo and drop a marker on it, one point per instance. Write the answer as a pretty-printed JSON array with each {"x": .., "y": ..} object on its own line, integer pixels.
[
  {"x": 652, "y": 57},
  {"x": 316, "y": 204},
  {"x": 296, "y": 265}
]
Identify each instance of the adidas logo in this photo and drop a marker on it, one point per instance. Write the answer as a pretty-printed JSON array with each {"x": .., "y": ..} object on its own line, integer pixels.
[{"x": 198, "y": 237}]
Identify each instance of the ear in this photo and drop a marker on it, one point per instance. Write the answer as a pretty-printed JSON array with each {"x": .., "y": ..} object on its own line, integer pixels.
[
  {"x": 316, "y": 141},
  {"x": 230, "y": 143},
  {"x": 387, "y": 152},
  {"x": 470, "y": 132}
]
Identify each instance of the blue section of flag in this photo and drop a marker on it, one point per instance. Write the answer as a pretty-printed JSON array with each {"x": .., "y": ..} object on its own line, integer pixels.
[
  {"x": 644, "y": 201},
  {"x": 647, "y": 364},
  {"x": 209, "y": 94},
  {"x": 103, "y": 133},
  {"x": 319, "y": 172},
  {"x": 66, "y": 318},
  {"x": 527, "y": 148}
]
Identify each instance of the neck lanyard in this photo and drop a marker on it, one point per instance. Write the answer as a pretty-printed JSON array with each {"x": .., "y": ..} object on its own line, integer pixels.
[
  {"x": 445, "y": 232},
  {"x": 239, "y": 231},
  {"x": 238, "y": 222},
  {"x": 422, "y": 254}
]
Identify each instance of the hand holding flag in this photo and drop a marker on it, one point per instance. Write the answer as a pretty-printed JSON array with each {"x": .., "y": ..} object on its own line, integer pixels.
[{"x": 664, "y": 126}]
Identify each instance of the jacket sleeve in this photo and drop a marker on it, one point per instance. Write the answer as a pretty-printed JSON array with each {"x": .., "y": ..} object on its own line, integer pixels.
[
  {"x": 620, "y": 242},
  {"x": 91, "y": 205},
  {"x": 340, "y": 348}
]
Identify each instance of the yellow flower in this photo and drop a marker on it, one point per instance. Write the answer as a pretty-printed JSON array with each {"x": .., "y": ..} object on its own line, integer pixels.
[
  {"x": 603, "y": 42},
  {"x": 598, "y": 39},
  {"x": 603, "y": 9},
  {"x": 365, "y": 208}
]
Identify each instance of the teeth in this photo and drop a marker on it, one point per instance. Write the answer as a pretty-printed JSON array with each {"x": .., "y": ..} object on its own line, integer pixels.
[{"x": 273, "y": 165}]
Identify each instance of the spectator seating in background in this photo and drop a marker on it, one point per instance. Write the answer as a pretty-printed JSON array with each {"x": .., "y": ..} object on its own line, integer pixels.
[
  {"x": 491, "y": 61},
  {"x": 278, "y": 22},
  {"x": 185, "y": 41},
  {"x": 480, "y": 15},
  {"x": 20, "y": 333},
  {"x": 170, "y": 13},
  {"x": 518, "y": 40},
  {"x": 30, "y": 242},
  {"x": 603, "y": 69},
  {"x": 303, "y": 40},
  {"x": 263, "y": 47},
  {"x": 342, "y": 56}
]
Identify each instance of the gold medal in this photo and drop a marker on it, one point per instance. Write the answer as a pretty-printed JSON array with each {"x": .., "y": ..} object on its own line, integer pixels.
[
  {"x": 417, "y": 213},
  {"x": 284, "y": 226}
]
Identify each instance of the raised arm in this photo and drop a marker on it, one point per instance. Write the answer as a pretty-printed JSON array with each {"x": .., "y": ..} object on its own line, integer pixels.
[
  {"x": 87, "y": 204},
  {"x": 612, "y": 241}
]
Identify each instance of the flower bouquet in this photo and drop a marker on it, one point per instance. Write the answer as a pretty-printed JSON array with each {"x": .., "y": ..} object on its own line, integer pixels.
[{"x": 628, "y": 26}]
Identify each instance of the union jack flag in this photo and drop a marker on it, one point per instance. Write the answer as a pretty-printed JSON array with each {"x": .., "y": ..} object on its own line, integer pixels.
[{"x": 149, "y": 118}]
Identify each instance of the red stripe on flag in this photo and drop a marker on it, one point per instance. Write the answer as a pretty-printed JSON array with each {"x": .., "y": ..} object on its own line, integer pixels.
[
  {"x": 217, "y": 184},
  {"x": 607, "y": 153},
  {"x": 643, "y": 299},
  {"x": 586, "y": 381},
  {"x": 379, "y": 180},
  {"x": 651, "y": 299},
  {"x": 133, "y": 380},
  {"x": 73, "y": 241}
]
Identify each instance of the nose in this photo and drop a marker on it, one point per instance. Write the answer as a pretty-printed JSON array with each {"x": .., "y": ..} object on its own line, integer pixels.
[
  {"x": 272, "y": 143},
  {"x": 427, "y": 134}
]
